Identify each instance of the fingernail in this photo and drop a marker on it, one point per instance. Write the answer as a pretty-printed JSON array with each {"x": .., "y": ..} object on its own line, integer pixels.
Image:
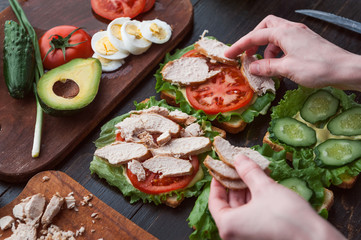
[{"x": 254, "y": 68}]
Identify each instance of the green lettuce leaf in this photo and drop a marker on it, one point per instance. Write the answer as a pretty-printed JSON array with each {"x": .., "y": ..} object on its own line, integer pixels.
[
  {"x": 200, "y": 219},
  {"x": 114, "y": 175},
  {"x": 260, "y": 106},
  {"x": 290, "y": 105},
  {"x": 280, "y": 170}
]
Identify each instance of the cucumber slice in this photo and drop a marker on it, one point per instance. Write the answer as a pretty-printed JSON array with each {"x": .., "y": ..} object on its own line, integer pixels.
[
  {"x": 319, "y": 107},
  {"x": 337, "y": 152},
  {"x": 347, "y": 123},
  {"x": 293, "y": 132},
  {"x": 299, "y": 186}
]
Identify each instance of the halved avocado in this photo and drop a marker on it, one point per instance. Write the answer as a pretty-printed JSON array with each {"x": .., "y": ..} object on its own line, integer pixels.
[{"x": 70, "y": 87}]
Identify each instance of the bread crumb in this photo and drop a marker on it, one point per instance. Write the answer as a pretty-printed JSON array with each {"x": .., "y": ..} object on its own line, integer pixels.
[
  {"x": 94, "y": 215},
  {"x": 92, "y": 231},
  {"x": 93, "y": 221}
]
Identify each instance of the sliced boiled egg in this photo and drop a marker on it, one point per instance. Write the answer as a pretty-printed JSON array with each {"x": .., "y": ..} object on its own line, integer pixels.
[
  {"x": 133, "y": 39},
  {"x": 156, "y": 31},
  {"x": 104, "y": 48},
  {"x": 114, "y": 32},
  {"x": 109, "y": 65}
]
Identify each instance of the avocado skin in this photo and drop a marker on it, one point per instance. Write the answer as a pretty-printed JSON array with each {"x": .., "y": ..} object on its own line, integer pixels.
[{"x": 59, "y": 106}]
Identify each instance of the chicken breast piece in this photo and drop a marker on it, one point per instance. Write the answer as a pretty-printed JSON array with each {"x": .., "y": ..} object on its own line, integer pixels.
[
  {"x": 34, "y": 208},
  {"x": 23, "y": 232},
  {"x": 6, "y": 222},
  {"x": 52, "y": 209},
  {"x": 193, "y": 130},
  {"x": 214, "y": 49},
  {"x": 186, "y": 146},
  {"x": 123, "y": 152},
  {"x": 187, "y": 71},
  {"x": 227, "y": 152},
  {"x": 137, "y": 169},
  {"x": 168, "y": 166},
  {"x": 235, "y": 184},
  {"x": 132, "y": 126},
  {"x": 260, "y": 85},
  {"x": 220, "y": 168}
]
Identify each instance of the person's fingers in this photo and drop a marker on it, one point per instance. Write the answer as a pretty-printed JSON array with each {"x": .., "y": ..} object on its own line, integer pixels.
[
  {"x": 237, "y": 197},
  {"x": 271, "y": 51},
  {"x": 269, "y": 67},
  {"x": 252, "y": 175},
  {"x": 251, "y": 40},
  {"x": 218, "y": 199},
  {"x": 270, "y": 21}
]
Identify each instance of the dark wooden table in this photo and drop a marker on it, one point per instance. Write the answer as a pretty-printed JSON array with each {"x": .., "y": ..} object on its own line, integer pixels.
[{"x": 227, "y": 20}]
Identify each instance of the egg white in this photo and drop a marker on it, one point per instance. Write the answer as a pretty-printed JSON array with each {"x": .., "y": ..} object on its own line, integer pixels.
[
  {"x": 109, "y": 65},
  {"x": 116, "y": 39},
  {"x": 134, "y": 45},
  {"x": 145, "y": 29},
  {"x": 118, "y": 54}
]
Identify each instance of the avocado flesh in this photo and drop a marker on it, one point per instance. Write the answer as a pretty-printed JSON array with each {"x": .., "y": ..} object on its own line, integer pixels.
[{"x": 79, "y": 82}]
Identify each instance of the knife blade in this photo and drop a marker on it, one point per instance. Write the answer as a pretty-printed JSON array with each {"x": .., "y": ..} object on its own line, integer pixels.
[{"x": 332, "y": 18}]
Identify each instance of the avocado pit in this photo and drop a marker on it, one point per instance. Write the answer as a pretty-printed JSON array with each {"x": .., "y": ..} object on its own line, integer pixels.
[{"x": 66, "y": 89}]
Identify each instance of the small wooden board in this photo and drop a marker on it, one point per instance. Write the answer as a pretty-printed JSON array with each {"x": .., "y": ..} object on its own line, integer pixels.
[
  {"x": 62, "y": 135},
  {"x": 109, "y": 225}
]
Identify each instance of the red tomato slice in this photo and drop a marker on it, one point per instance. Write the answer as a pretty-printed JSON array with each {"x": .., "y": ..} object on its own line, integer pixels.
[
  {"x": 153, "y": 184},
  {"x": 112, "y": 9},
  {"x": 148, "y": 5},
  {"x": 119, "y": 137},
  {"x": 226, "y": 91}
]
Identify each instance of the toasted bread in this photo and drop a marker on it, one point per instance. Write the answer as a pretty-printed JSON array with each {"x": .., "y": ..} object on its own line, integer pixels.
[
  {"x": 230, "y": 127},
  {"x": 348, "y": 181},
  {"x": 327, "y": 201}
]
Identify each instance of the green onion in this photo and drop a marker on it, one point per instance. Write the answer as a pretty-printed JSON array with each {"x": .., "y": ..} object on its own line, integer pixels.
[{"x": 39, "y": 71}]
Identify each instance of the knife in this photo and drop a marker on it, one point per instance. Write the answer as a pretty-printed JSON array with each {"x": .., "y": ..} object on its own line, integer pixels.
[{"x": 332, "y": 18}]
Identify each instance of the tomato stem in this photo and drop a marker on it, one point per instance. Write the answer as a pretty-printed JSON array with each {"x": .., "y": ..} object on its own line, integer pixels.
[{"x": 58, "y": 42}]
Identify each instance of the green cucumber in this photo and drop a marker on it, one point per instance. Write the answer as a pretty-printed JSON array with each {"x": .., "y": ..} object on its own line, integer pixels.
[
  {"x": 319, "y": 106},
  {"x": 347, "y": 123},
  {"x": 337, "y": 152},
  {"x": 293, "y": 132},
  {"x": 299, "y": 186},
  {"x": 19, "y": 61}
]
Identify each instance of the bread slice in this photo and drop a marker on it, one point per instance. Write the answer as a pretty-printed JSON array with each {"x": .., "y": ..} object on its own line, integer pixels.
[
  {"x": 347, "y": 180},
  {"x": 230, "y": 127},
  {"x": 327, "y": 201}
]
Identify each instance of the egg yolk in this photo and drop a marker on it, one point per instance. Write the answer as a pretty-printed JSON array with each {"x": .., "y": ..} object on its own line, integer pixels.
[
  {"x": 133, "y": 30},
  {"x": 105, "y": 47},
  {"x": 157, "y": 31},
  {"x": 115, "y": 29},
  {"x": 104, "y": 61}
]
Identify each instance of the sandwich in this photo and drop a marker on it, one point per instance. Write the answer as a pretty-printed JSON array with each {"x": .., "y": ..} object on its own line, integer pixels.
[
  {"x": 305, "y": 182},
  {"x": 322, "y": 125},
  {"x": 154, "y": 153},
  {"x": 200, "y": 78}
]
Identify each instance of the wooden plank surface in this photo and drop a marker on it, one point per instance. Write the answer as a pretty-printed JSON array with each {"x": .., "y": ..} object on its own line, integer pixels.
[
  {"x": 227, "y": 20},
  {"x": 108, "y": 225},
  {"x": 62, "y": 134}
]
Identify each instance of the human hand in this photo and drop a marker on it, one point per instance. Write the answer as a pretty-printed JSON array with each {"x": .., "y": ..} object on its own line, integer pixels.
[
  {"x": 266, "y": 210},
  {"x": 308, "y": 59}
]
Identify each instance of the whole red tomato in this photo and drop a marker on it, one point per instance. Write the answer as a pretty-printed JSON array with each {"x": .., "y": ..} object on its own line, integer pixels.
[{"x": 75, "y": 42}]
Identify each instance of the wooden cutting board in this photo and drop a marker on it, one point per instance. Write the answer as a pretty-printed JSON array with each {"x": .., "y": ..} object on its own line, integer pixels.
[
  {"x": 109, "y": 225},
  {"x": 62, "y": 135}
]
